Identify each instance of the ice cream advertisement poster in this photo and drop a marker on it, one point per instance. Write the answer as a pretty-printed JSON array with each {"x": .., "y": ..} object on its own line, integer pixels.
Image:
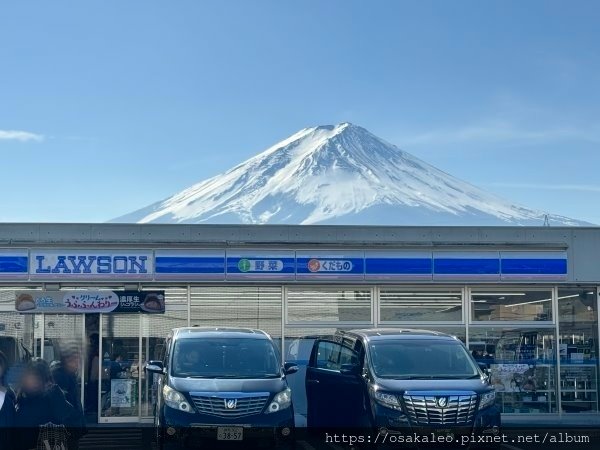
[{"x": 89, "y": 301}]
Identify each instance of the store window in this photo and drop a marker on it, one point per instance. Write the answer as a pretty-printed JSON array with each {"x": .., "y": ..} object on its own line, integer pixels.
[
  {"x": 173, "y": 295},
  {"x": 511, "y": 305},
  {"x": 578, "y": 349},
  {"x": 522, "y": 365},
  {"x": 154, "y": 328},
  {"x": 243, "y": 306},
  {"x": 397, "y": 305},
  {"x": 16, "y": 342},
  {"x": 329, "y": 305}
]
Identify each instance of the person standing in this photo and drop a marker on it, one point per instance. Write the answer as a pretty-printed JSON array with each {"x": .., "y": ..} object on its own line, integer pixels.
[
  {"x": 7, "y": 406},
  {"x": 64, "y": 373},
  {"x": 39, "y": 402},
  {"x": 93, "y": 370}
]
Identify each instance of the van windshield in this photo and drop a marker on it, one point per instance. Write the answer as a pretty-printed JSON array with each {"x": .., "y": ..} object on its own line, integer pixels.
[
  {"x": 225, "y": 358},
  {"x": 421, "y": 359}
]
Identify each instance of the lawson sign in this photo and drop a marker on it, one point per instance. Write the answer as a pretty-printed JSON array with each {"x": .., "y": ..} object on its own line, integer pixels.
[
  {"x": 90, "y": 264},
  {"x": 46, "y": 264}
]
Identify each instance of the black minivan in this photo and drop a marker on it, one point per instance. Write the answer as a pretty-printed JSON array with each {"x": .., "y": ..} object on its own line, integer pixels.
[
  {"x": 399, "y": 381},
  {"x": 222, "y": 384}
]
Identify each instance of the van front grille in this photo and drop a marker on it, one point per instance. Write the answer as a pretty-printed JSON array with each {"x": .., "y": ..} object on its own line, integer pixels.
[
  {"x": 440, "y": 408},
  {"x": 216, "y": 405}
]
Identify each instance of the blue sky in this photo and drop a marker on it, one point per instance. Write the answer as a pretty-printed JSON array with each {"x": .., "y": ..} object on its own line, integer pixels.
[{"x": 107, "y": 106}]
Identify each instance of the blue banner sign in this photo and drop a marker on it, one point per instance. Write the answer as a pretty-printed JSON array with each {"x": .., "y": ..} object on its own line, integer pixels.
[
  {"x": 13, "y": 264},
  {"x": 390, "y": 265},
  {"x": 533, "y": 265},
  {"x": 466, "y": 265},
  {"x": 279, "y": 265},
  {"x": 330, "y": 265},
  {"x": 269, "y": 265},
  {"x": 190, "y": 264},
  {"x": 91, "y": 264}
]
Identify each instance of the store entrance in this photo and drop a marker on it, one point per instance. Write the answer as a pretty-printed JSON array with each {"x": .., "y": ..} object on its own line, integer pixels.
[
  {"x": 125, "y": 393},
  {"x": 120, "y": 374}
]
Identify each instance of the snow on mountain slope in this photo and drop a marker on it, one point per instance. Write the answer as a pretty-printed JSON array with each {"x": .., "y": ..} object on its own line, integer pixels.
[{"x": 338, "y": 175}]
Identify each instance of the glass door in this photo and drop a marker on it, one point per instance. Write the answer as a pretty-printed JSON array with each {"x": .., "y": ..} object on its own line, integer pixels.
[
  {"x": 63, "y": 349},
  {"x": 119, "y": 378},
  {"x": 17, "y": 342},
  {"x": 155, "y": 329}
]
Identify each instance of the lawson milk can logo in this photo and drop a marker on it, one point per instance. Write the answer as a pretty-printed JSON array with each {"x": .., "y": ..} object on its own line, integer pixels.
[{"x": 329, "y": 265}]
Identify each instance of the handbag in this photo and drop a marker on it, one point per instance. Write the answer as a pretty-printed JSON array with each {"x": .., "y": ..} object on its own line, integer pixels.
[{"x": 53, "y": 437}]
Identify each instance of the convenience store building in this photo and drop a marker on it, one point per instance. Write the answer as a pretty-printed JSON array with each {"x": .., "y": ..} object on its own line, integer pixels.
[{"x": 524, "y": 300}]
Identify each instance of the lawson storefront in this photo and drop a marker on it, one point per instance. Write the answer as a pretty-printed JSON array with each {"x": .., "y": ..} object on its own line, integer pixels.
[{"x": 524, "y": 300}]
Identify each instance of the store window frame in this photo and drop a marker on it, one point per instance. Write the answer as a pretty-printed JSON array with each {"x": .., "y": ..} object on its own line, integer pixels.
[
  {"x": 558, "y": 356},
  {"x": 325, "y": 323},
  {"x": 509, "y": 288},
  {"x": 420, "y": 323},
  {"x": 526, "y": 327},
  {"x": 472, "y": 325}
]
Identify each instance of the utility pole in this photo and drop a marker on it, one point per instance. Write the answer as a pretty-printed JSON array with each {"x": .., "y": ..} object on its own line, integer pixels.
[{"x": 546, "y": 220}]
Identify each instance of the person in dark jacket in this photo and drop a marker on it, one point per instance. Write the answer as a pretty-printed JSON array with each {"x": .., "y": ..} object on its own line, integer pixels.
[
  {"x": 39, "y": 402},
  {"x": 7, "y": 406},
  {"x": 64, "y": 374}
]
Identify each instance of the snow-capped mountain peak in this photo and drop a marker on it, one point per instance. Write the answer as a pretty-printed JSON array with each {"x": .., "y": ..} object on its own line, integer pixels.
[{"x": 337, "y": 174}]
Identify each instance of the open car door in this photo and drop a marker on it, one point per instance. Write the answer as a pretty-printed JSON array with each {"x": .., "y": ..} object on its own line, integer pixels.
[{"x": 334, "y": 387}]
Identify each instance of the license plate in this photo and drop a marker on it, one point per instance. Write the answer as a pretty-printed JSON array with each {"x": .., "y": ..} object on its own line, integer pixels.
[{"x": 230, "y": 433}]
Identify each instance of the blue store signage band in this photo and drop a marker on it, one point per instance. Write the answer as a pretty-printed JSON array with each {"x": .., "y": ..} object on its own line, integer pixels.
[{"x": 280, "y": 265}]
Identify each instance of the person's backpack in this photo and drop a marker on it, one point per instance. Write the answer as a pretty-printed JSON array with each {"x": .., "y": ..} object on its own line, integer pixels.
[{"x": 53, "y": 437}]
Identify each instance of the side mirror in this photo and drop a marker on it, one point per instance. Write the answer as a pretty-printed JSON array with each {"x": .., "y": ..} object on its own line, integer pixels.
[
  {"x": 350, "y": 369},
  {"x": 484, "y": 368},
  {"x": 290, "y": 368},
  {"x": 155, "y": 367}
]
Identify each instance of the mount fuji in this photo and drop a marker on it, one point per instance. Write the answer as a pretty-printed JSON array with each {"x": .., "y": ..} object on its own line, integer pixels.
[{"x": 338, "y": 174}]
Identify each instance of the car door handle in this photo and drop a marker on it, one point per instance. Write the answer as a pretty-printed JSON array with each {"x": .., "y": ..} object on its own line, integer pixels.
[{"x": 312, "y": 381}]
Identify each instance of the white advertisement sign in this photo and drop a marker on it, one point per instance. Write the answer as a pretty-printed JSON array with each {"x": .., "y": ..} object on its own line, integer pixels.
[{"x": 121, "y": 391}]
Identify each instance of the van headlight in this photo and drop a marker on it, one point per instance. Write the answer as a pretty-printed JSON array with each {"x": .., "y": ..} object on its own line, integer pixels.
[
  {"x": 176, "y": 400},
  {"x": 487, "y": 399},
  {"x": 280, "y": 401},
  {"x": 387, "y": 400}
]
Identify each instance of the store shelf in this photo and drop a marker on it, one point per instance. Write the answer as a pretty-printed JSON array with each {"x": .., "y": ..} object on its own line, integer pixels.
[
  {"x": 577, "y": 390},
  {"x": 578, "y": 401}
]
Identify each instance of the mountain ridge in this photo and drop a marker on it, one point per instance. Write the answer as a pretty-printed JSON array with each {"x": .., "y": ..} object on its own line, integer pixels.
[{"x": 338, "y": 174}]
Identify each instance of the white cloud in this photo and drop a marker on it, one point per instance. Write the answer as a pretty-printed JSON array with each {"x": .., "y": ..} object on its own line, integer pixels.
[
  {"x": 22, "y": 136},
  {"x": 549, "y": 187},
  {"x": 498, "y": 131}
]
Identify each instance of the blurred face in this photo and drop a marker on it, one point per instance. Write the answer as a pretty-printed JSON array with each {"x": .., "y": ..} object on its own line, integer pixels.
[
  {"x": 72, "y": 363},
  {"x": 31, "y": 383}
]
